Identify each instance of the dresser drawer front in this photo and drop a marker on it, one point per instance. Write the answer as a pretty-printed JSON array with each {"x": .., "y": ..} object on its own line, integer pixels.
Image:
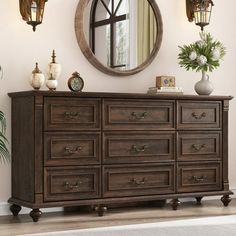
[
  {"x": 72, "y": 149},
  {"x": 194, "y": 177},
  {"x": 138, "y": 114},
  {"x": 71, "y": 114},
  {"x": 199, "y": 146},
  {"x": 138, "y": 180},
  {"x": 199, "y": 115},
  {"x": 138, "y": 147},
  {"x": 71, "y": 183}
]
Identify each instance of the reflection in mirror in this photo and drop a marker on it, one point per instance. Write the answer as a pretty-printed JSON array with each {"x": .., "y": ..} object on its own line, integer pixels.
[{"x": 122, "y": 36}]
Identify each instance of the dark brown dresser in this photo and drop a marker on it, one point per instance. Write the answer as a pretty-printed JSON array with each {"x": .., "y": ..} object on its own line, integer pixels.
[{"x": 71, "y": 149}]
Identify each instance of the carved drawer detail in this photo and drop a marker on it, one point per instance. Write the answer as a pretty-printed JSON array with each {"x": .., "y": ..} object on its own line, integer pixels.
[
  {"x": 71, "y": 183},
  {"x": 71, "y": 114},
  {"x": 138, "y": 114},
  {"x": 194, "y": 177},
  {"x": 199, "y": 146},
  {"x": 138, "y": 147},
  {"x": 72, "y": 148},
  {"x": 134, "y": 180},
  {"x": 199, "y": 115}
]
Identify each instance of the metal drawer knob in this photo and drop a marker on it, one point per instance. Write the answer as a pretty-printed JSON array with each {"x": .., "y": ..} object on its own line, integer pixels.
[
  {"x": 72, "y": 115},
  {"x": 136, "y": 149},
  {"x": 198, "y": 116},
  {"x": 197, "y": 179},
  {"x": 138, "y": 116},
  {"x": 68, "y": 186},
  {"x": 71, "y": 150},
  {"x": 199, "y": 147},
  {"x": 137, "y": 182}
]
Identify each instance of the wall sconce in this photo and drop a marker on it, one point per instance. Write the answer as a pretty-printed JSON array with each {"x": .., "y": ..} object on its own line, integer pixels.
[
  {"x": 32, "y": 11},
  {"x": 199, "y": 11}
]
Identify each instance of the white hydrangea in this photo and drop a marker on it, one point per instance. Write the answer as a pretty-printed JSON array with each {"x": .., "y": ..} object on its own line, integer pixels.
[
  {"x": 202, "y": 60},
  {"x": 200, "y": 43},
  {"x": 192, "y": 55},
  {"x": 216, "y": 53}
]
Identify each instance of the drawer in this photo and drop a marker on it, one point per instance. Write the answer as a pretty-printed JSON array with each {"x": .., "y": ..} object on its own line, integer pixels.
[
  {"x": 136, "y": 180},
  {"x": 136, "y": 114},
  {"x": 199, "y": 146},
  {"x": 71, "y": 183},
  {"x": 194, "y": 177},
  {"x": 71, "y": 114},
  {"x": 138, "y": 147},
  {"x": 198, "y": 115},
  {"x": 72, "y": 149}
]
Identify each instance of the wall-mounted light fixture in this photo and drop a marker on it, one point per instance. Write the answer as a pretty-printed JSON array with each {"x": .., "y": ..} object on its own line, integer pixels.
[
  {"x": 32, "y": 11},
  {"x": 199, "y": 11}
]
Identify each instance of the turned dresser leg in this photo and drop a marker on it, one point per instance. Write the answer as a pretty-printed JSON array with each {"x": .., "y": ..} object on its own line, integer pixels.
[
  {"x": 226, "y": 199},
  {"x": 35, "y": 214},
  {"x": 15, "y": 209},
  {"x": 175, "y": 204},
  {"x": 100, "y": 209},
  {"x": 199, "y": 199}
]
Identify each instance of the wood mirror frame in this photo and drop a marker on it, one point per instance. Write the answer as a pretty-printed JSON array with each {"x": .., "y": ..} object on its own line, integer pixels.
[{"x": 79, "y": 30}]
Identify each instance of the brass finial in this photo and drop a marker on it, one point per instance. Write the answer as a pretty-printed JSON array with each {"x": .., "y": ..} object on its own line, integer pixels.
[
  {"x": 53, "y": 56},
  {"x": 36, "y": 69}
]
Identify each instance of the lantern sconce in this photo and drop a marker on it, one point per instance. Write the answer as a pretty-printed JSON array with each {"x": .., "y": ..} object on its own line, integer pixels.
[
  {"x": 32, "y": 11},
  {"x": 199, "y": 11}
]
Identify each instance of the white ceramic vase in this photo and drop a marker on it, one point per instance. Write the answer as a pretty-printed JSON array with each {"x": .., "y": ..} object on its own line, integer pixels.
[
  {"x": 37, "y": 78},
  {"x": 204, "y": 86}
]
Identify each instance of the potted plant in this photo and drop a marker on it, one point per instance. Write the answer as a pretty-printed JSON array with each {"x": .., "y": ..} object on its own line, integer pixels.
[
  {"x": 4, "y": 153},
  {"x": 203, "y": 55}
]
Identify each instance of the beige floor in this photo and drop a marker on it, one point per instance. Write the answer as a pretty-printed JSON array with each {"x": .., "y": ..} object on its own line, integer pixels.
[{"x": 116, "y": 216}]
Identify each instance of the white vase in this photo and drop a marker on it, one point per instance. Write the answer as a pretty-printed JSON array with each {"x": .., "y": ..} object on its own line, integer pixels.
[
  {"x": 51, "y": 83},
  {"x": 204, "y": 86},
  {"x": 37, "y": 78}
]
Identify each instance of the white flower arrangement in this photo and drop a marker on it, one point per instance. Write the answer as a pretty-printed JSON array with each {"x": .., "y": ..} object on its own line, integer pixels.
[{"x": 202, "y": 55}]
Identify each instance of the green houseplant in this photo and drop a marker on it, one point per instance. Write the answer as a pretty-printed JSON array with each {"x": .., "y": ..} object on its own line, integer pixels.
[
  {"x": 4, "y": 152},
  {"x": 203, "y": 55}
]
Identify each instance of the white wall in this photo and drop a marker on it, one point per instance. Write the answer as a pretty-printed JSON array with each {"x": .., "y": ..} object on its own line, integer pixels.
[{"x": 20, "y": 48}]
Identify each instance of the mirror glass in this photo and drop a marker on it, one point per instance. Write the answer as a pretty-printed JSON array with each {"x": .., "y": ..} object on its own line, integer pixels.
[{"x": 120, "y": 36}]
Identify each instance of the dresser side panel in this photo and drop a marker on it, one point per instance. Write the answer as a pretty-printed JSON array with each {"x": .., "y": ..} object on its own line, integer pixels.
[{"x": 23, "y": 148}]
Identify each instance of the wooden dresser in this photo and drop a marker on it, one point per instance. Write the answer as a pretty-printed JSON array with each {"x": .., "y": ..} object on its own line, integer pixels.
[{"x": 72, "y": 149}]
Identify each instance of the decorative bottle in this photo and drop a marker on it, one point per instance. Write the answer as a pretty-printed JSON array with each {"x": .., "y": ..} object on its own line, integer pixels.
[{"x": 37, "y": 78}]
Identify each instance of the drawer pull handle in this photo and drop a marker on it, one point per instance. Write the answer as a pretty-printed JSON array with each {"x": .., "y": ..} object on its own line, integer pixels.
[
  {"x": 136, "y": 182},
  {"x": 143, "y": 148},
  {"x": 198, "y": 116},
  {"x": 71, "y": 115},
  {"x": 69, "y": 186},
  {"x": 198, "y": 147},
  {"x": 138, "y": 116},
  {"x": 75, "y": 150},
  {"x": 199, "y": 179}
]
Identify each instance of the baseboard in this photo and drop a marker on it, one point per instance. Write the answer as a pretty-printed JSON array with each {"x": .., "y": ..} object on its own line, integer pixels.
[
  {"x": 4, "y": 209},
  {"x": 4, "y": 206}
]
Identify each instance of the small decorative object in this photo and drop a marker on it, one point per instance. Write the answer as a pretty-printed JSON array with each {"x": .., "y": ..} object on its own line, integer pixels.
[
  {"x": 203, "y": 55},
  {"x": 199, "y": 11},
  {"x": 1, "y": 72},
  {"x": 165, "y": 81},
  {"x": 51, "y": 83},
  {"x": 32, "y": 11},
  {"x": 54, "y": 68},
  {"x": 75, "y": 82},
  {"x": 37, "y": 78}
]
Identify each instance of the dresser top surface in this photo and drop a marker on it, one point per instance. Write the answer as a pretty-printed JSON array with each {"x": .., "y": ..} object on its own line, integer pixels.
[{"x": 47, "y": 93}]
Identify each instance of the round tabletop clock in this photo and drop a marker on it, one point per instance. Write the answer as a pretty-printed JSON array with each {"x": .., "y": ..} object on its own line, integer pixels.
[{"x": 75, "y": 82}]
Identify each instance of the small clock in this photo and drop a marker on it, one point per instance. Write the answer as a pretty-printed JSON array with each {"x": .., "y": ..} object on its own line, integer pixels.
[
  {"x": 75, "y": 82},
  {"x": 165, "y": 81}
]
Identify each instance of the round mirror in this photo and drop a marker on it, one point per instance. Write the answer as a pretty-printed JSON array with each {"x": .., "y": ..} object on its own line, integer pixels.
[{"x": 119, "y": 37}]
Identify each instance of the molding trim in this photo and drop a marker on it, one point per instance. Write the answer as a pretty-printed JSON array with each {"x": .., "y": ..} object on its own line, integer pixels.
[
  {"x": 4, "y": 206},
  {"x": 4, "y": 209}
]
